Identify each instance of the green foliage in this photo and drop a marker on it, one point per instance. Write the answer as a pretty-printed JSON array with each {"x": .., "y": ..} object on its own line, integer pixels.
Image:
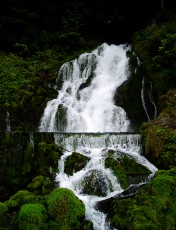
[
  {"x": 24, "y": 82},
  {"x": 32, "y": 216},
  {"x": 156, "y": 48},
  {"x": 66, "y": 209}
]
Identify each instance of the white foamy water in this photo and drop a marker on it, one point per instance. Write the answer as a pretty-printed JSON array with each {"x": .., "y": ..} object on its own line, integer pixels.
[
  {"x": 85, "y": 106},
  {"x": 96, "y": 147},
  {"x": 91, "y": 108}
]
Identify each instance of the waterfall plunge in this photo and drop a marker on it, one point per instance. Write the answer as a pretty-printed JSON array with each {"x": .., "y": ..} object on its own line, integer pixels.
[
  {"x": 89, "y": 109},
  {"x": 85, "y": 104}
]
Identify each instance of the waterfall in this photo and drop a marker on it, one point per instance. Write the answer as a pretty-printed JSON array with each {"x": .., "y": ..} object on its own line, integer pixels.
[
  {"x": 96, "y": 148},
  {"x": 85, "y": 120},
  {"x": 89, "y": 84},
  {"x": 31, "y": 138},
  {"x": 8, "y": 128},
  {"x": 146, "y": 94},
  {"x": 151, "y": 99},
  {"x": 143, "y": 100}
]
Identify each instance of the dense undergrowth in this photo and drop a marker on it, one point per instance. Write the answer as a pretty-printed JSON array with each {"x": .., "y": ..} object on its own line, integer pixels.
[{"x": 28, "y": 83}]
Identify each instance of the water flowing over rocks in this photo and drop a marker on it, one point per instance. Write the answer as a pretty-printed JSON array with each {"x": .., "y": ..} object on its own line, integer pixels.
[{"x": 87, "y": 122}]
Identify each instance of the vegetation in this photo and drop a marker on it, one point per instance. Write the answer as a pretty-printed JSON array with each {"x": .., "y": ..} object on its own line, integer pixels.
[
  {"x": 32, "y": 216},
  {"x": 127, "y": 170},
  {"x": 75, "y": 162},
  {"x": 21, "y": 162},
  {"x": 66, "y": 209},
  {"x": 152, "y": 208}
]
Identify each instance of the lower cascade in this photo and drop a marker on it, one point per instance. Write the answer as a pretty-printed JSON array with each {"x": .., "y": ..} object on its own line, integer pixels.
[{"x": 94, "y": 133}]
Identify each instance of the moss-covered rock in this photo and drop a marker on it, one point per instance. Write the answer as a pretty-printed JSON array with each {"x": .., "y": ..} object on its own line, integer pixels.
[
  {"x": 154, "y": 206},
  {"x": 20, "y": 198},
  {"x": 41, "y": 185},
  {"x": 75, "y": 162},
  {"x": 32, "y": 216},
  {"x": 36, "y": 184},
  {"x": 127, "y": 170},
  {"x": 66, "y": 209},
  {"x": 95, "y": 183}
]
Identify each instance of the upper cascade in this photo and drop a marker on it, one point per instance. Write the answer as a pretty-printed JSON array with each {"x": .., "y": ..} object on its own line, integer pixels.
[{"x": 85, "y": 100}]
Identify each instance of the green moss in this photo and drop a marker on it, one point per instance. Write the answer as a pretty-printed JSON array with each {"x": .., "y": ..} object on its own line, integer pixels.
[
  {"x": 95, "y": 183},
  {"x": 20, "y": 198},
  {"x": 75, "y": 162},
  {"x": 127, "y": 170},
  {"x": 66, "y": 209},
  {"x": 154, "y": 206},
  {"x": 33, "y": 154},
  {"x": 36, "y": 185},
  {"x": 48, "y": 155},
  {"x": 118, "y": 170},
  {"x": 160, "y": 142},
  {"x": 3, "y": 209},
  {"x": 48, "y": 186},
  {"x": 32, "y": 216}
]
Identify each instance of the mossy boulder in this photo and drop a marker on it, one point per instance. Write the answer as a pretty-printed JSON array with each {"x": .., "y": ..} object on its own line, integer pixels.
[
  {"x": 75, "y": 162},
  {"x": 20, "y": 198},
  {"x": 32, "y": 216},
  {"x": 153, "y": 207},
  {"x": 66, "y": 209},
  {"x": 41, "y": 185},
  {"x": 95, "y": 183},
  {"x": 127, "y": 170}
]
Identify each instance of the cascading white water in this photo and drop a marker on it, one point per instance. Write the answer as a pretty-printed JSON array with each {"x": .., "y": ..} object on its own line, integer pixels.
[
  {"x": 8, "y": 128},
  {"x": 85, "y": 104},
  {"x": 95, "y": 147},
  {"x": 91, "y": 108},
  {"x": 155, "y": 109},
  {"x": 143, "y": 100},
  {"x": 150, "y": 99},
  {"x": 31, "y": 138}
]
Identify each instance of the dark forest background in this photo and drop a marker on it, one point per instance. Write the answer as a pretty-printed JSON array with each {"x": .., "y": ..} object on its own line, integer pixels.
[{"x": 42, "y": 23}]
